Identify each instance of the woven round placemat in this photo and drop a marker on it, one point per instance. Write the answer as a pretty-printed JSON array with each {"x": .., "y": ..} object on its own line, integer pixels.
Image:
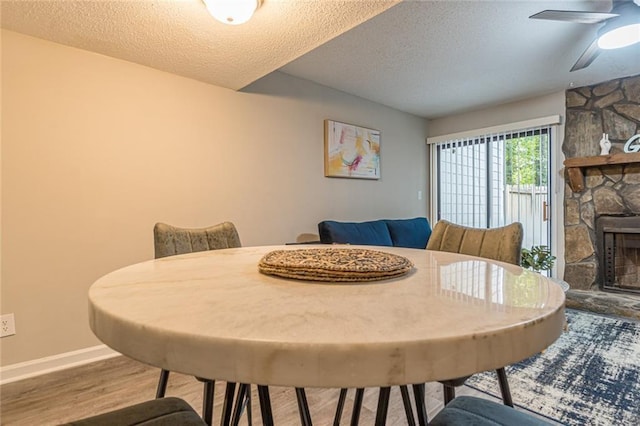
[{"x": 334, "y": 264}]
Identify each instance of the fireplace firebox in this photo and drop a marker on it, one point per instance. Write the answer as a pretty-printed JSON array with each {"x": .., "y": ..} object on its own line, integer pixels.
[{"x": 618, "y": 241}]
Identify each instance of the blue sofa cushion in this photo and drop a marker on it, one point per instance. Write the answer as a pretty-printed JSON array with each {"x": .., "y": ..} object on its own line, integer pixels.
[
  {"x": 411, "y": 233},
  {"x": 468, "y": 410},
  {"x": 373, "y": 233}
]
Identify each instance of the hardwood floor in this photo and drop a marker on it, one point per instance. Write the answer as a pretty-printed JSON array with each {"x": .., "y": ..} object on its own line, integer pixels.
[{"x": 117, "y": 382}]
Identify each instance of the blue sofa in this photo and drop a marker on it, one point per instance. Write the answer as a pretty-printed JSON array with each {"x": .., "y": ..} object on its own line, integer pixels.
[{"x": 412, "y": 233}]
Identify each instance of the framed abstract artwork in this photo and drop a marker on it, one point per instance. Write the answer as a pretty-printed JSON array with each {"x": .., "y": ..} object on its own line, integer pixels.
[{"x": 351, "y": 151}]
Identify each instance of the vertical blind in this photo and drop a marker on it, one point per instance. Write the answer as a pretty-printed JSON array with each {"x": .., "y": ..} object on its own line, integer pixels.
[{"x": 493, "y": 178}]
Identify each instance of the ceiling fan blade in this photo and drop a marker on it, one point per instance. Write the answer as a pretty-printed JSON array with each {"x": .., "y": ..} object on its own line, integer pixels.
[
  {"x": 587, "y": 56},
  {"x": 574, "y": 16}
]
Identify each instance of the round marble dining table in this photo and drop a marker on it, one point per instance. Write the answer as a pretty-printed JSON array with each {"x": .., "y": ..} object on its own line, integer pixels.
[{"x": 212, "y": 314}]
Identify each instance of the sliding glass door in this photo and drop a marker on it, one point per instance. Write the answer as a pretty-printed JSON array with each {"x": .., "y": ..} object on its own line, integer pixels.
[{"x": 493, "y": 180}]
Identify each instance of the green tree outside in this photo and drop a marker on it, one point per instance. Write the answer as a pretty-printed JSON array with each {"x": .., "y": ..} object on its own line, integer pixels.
[{"x": 524, "y": 165}]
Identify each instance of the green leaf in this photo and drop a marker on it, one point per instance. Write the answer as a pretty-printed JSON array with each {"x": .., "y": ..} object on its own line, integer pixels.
[{"x": 538, "y": 258}]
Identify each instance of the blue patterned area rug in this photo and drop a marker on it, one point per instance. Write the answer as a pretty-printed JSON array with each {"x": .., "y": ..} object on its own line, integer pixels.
[{"x": 589, "y": 376}]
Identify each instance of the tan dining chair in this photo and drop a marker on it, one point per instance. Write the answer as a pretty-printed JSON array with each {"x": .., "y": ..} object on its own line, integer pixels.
[
  {"x": 170, "y": 241},
  {"x": 503, "y": 244}
]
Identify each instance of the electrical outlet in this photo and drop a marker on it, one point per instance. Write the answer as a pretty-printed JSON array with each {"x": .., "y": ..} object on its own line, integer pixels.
[{"x": 8, "y": 323}]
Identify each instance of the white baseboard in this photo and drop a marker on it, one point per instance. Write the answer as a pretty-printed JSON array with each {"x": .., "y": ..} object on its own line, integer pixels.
[{"x": 37, "y": 367}]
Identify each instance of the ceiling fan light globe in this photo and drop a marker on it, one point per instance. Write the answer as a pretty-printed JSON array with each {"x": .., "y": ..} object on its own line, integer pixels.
[
  {"x": 620, "y": 37},
  {"x": 232, "y": 12}
]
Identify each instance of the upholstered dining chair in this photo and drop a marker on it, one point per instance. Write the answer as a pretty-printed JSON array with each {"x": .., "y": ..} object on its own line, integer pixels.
[
  {"x": 170, "y": 241},
  {"x": 503, "y": 244}
]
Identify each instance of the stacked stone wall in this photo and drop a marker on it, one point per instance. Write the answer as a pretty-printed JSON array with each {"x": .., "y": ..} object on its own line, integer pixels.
[{"x": 612, "y": 107}]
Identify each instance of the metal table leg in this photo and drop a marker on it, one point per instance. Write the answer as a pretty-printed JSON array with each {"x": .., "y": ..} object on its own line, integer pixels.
[
  {"x": 406, "y": 401},
  {"x": 341, "y": 399},
  {"x": 357, "y": 406},
  {"x": 227, "y": 405},
  {"x": 265, "y": 405},
  {"x": 421, "y": 409},
  {"x": 383, "y": 406},
  {"x": 303, "y": 407}
]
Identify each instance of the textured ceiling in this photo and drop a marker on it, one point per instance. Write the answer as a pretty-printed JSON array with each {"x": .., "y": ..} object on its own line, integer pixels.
[
  {"x": 179, "y": 36},
  {"x": 429, "y": 58},
  {"x": 434, "y": 58}
]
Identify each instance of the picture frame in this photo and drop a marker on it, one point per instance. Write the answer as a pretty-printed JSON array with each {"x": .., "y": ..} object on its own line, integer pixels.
[{"x": 351, "y": 151}]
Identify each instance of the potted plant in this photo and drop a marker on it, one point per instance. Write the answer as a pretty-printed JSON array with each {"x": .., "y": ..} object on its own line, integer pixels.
[{"x": 537, "y": 258}]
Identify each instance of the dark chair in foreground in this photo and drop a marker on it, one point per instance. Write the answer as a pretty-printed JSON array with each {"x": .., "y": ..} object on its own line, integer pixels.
[
  {"x": 158, "y": 412},
  {"x": 503, "y": 244},
  {"x": 170, "y": 241},
  {"x": 469, "y": 410}
]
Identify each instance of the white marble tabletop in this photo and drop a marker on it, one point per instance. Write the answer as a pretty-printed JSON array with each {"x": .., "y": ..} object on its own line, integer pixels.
[{"x": 212, "y": 314}]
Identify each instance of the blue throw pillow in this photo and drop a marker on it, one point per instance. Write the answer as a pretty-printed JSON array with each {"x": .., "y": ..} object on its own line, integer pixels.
[
  {"x": 412, "y": 233},
  {"x": 373, "y": 233}
]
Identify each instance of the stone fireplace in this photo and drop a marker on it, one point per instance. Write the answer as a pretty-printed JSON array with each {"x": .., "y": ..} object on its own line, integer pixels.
[{"x": 610, "y": 192}]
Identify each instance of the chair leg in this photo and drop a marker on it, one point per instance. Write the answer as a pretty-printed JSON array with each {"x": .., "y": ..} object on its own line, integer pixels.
[
  {"x": 207, "y": 401},
  {"x": 162, "y": 383},
  {"x": 303, "y": 407},
  {"x": 406, "y": 401},
  {"x": 341, "y": 399},
  {"x": 504, "y": 387},
  {"x": 449, "y": 393},
  {"x": 357, "y": 406}
]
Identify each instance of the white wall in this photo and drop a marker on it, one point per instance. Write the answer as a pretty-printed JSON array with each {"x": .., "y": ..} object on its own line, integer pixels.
[
  {"x": 543, "y": 106},
  {"x": 96, "y": 150}
]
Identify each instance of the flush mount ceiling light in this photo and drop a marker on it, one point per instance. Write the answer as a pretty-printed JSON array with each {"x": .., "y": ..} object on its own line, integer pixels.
[{"x": 232, "y": 12}]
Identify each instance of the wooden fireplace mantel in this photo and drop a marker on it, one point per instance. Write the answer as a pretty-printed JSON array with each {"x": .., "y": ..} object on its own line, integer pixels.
[{"x": 575, "y": 166}]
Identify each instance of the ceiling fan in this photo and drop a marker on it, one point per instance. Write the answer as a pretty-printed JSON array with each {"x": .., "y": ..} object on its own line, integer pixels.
[{"x": 621, "y": 27}]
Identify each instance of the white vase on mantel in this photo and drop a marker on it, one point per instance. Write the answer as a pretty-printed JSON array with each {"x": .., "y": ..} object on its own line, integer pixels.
[{"x": 605, "y": 144}]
